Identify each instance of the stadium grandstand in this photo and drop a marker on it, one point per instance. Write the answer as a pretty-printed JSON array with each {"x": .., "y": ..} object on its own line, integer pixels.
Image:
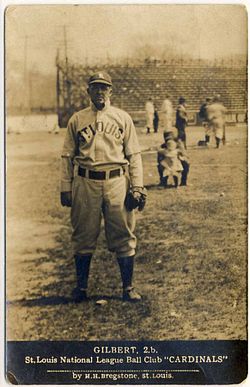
[{"x": 133, "y": 84}]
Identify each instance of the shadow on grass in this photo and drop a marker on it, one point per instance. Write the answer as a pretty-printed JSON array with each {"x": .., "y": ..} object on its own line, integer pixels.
[
  {"x": 52, "y": 300},
  {"x": 58, "y": 300}
]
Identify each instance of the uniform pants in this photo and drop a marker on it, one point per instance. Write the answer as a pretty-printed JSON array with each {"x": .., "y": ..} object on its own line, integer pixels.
[
  {"x": 167, "y": 123},
  {"x": 182, "y": 135},
  {"x": 217, "y": 126},
  {"x": 208, "y": 129},
  {"x": 91, "y": 199}
]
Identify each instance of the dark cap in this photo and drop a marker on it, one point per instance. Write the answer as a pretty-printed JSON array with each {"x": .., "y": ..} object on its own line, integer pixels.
[
  {"x": 168, "y": 136},
  {"x": 182, "y": 99},
  {"x": 100, "y": 77}
]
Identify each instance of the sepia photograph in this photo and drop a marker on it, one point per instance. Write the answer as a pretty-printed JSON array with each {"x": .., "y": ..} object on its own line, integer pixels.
[{"x": 126, "y": 193}]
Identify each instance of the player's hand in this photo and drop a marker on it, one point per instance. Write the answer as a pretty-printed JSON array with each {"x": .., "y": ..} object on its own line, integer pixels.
[
  {"x": 66, "y": 199},
  {"x": 136, "y": 195},
  {"x": 141, "y": 196},
  {"x": 136, "y": 198}
]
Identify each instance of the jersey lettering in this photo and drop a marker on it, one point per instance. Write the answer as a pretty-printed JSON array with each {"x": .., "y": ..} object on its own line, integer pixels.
[
  {"x": 99, "y": 126},
  {"x": 114, "y": 130},
  {"x": 86, "y": 134},
  {"x": 108, "y": 128},
  {"x": 119, "y": 133}
]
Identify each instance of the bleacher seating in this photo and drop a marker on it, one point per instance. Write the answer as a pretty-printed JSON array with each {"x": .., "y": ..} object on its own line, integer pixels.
[{"x": 132, "y": 85}]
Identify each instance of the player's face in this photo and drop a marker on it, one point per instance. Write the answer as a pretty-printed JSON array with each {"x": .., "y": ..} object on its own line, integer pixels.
[{"x": 99, "y": 94}]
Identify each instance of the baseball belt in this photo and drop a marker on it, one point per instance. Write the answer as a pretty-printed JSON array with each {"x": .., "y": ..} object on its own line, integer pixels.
[{"x": 100, "y": 175}]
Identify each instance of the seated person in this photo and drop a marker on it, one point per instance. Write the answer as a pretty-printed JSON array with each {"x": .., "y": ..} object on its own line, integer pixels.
[
  {"x": 182, "y": 156},
  {"x": 171, "y": 163}
]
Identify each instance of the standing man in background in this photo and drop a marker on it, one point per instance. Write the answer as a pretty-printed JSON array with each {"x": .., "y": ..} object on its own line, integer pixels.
[
  {"x": 100, "y": 144},
  {"x": 167, "y": 114},
  {"x": 156, "y": 121},
  {"x": 149, "y": 109},
  {"x": 204, "y": 119},
  {"x": 216, "y": 113},
  {"x": 181, "y": 120}
]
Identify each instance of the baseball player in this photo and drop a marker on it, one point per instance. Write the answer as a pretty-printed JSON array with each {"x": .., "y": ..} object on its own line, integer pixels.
[
  {"x": 216, "y": 112},
  {"x": 149, "y": 108},
  {"x": 181, "y": 120},
  {"x": 100, "y": 145},
  {"x": 167, "y": 114},
  {"x": 204, "y": 119},
  {"x": 156, "y": 121}
]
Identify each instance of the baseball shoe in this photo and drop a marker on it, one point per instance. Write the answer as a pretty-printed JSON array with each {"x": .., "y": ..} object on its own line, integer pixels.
[
  {"x": 79, "y": 295},
  {"x": 131, "y": 295}
]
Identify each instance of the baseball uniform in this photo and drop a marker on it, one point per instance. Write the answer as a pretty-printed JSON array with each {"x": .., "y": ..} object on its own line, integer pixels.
[
  {"x": 204, "y": 119},
  {"x": 100, "y": 161},
  {"x": 149, "y": 108},
  {"x": 216, "y": 118},
  {"x": 181, "y": 122},
  {"x": 167, "y": 115},
  {"x": 94, "y": 158}
]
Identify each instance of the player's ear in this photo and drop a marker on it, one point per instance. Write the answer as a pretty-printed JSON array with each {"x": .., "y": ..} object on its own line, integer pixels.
[
  {"x": 88, "y": 90},
  {"x": 110, "y": 91}
]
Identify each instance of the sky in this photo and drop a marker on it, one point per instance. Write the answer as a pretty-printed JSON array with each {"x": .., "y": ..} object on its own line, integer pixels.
[{"x": 34, "y": 33}]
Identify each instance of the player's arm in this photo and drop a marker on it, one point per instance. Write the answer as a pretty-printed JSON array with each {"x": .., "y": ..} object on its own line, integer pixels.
[
  {"x": 67, "y": 167},
  {"x": 136, "y": 197},
  {"x": 133, "y": 154},
  {"x": 135, "y": 170}
]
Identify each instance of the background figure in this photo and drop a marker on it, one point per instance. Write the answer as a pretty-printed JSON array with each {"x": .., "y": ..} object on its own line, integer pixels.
[
  {"x": 170, "y": 163},
  {"x": 182, "y": 155},
  {"x": 156, "y": 121},
  {"x": 204, "y": 119},
  {"x": 181, "y": 120},
  {"x": 149, "y": 108},
  {"x": 216, "y": 112},
  {"x": 167, "y": 114}
]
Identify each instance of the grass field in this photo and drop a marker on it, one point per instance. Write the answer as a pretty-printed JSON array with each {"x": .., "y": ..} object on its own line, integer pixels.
[{"x": 191, "y": 265}]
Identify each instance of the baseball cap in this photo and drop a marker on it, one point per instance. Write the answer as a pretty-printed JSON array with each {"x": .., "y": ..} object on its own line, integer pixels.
[
  {"x": 100, "y": 77},
  {"x": 168, "y": 136},
  {"x": 182, "y": 99}
]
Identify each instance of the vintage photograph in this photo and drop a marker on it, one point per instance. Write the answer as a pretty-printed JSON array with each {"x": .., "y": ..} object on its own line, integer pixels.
[{"x": 126, "y": 172}]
